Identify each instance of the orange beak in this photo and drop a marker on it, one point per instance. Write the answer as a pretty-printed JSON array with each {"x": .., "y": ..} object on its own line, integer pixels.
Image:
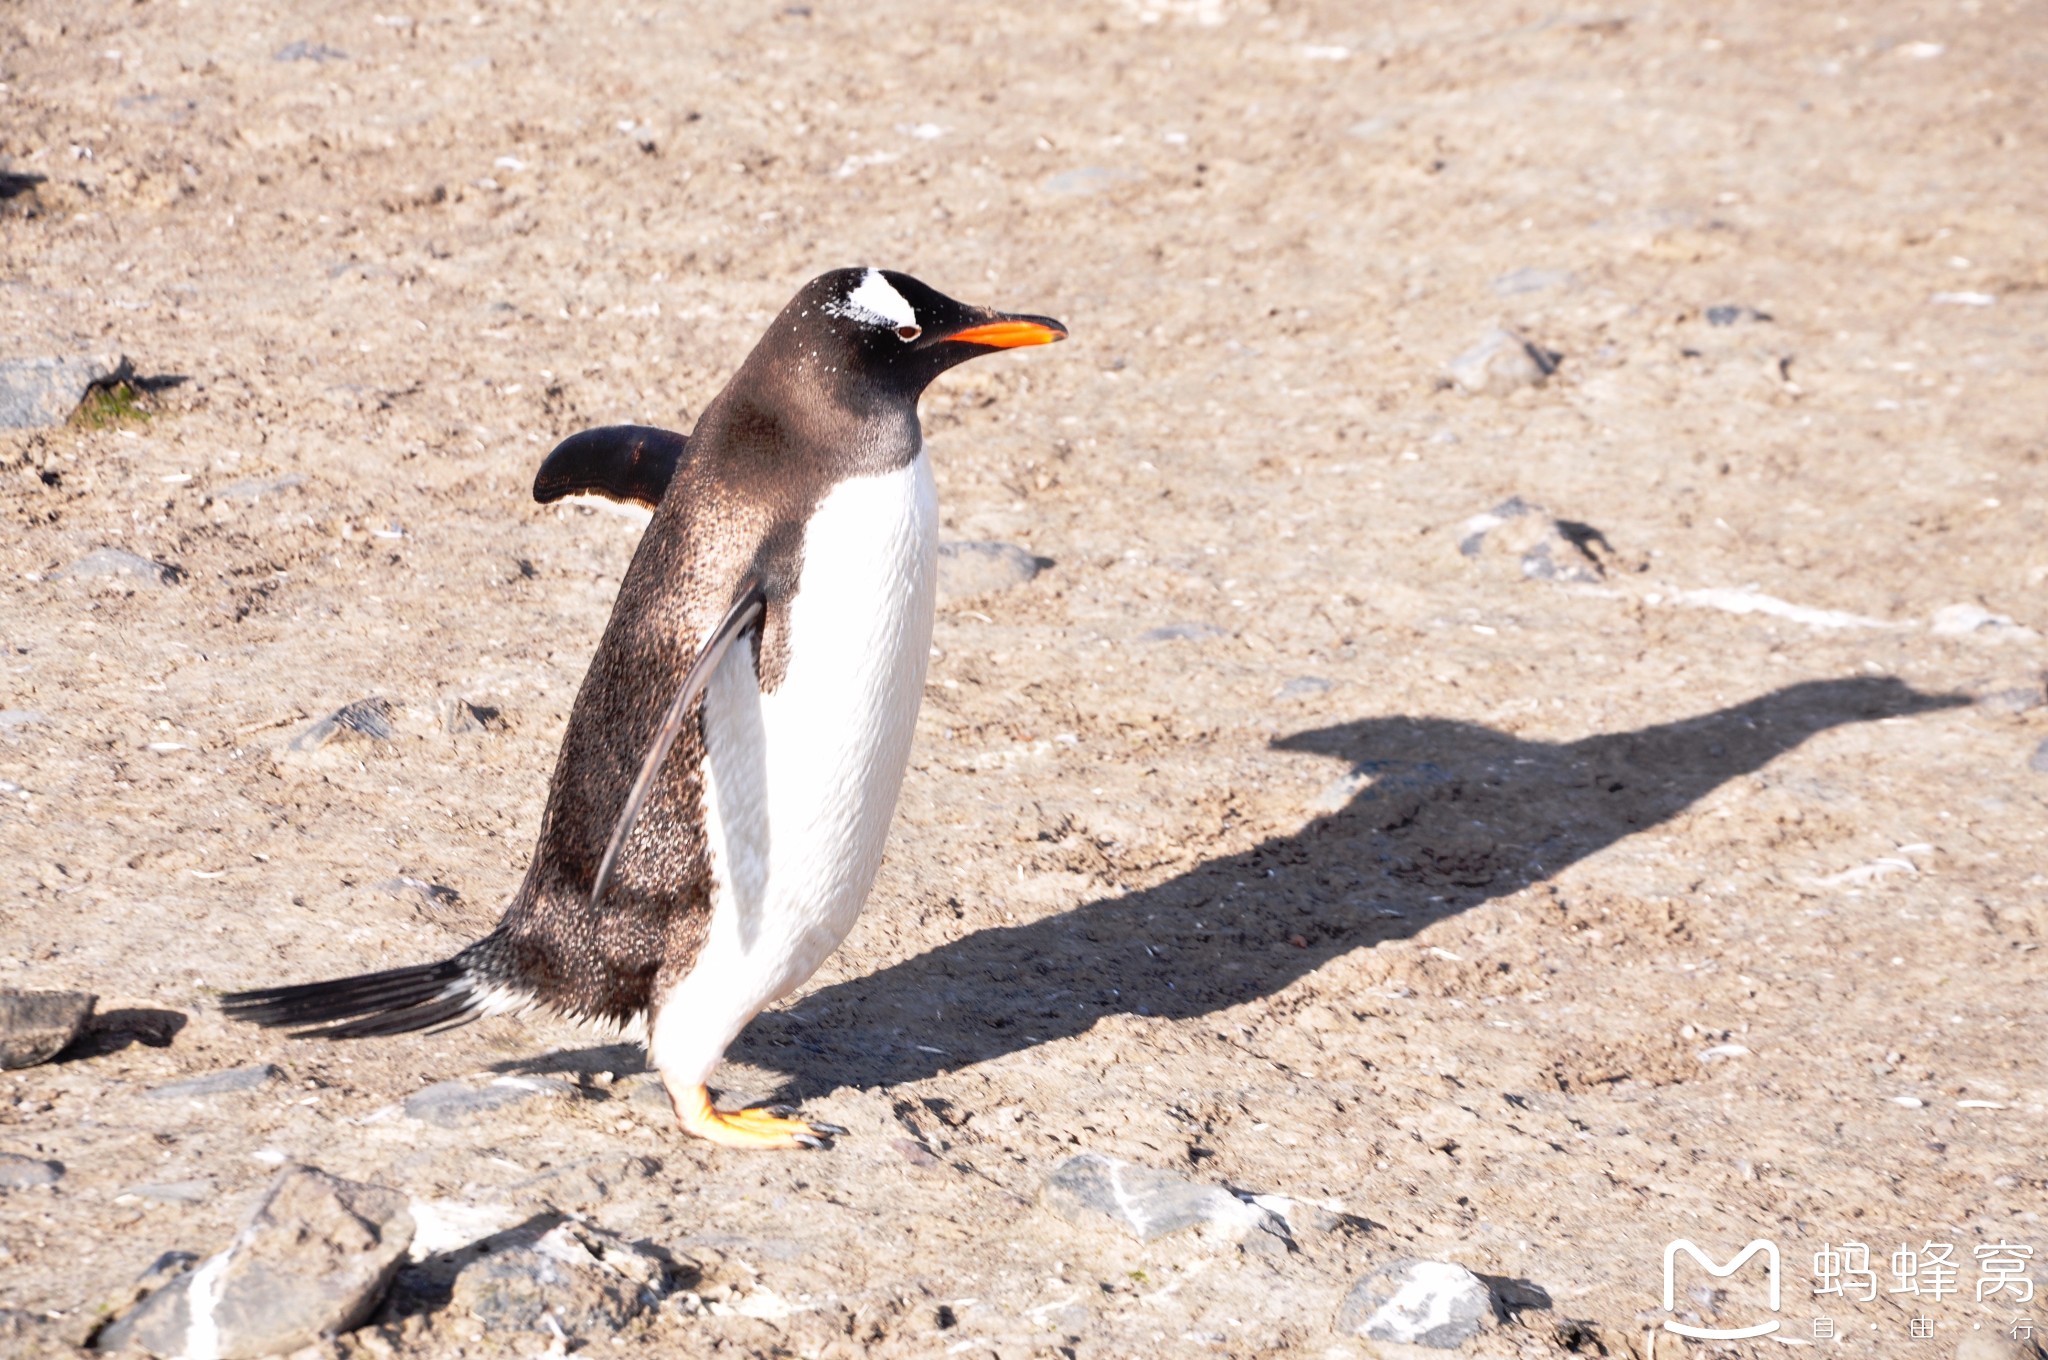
[{"x": 1011, "y": 333}]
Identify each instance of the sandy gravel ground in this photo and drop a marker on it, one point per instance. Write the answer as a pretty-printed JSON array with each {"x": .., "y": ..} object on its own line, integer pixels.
[{"x": 1267, "y": 836}]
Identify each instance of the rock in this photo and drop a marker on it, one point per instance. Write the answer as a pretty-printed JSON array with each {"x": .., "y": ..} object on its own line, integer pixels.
[
  {"x": 36, "y": 1026},
  {"x": 1091, "y": 1190},
  {"x": 1548, "y": 549},
  {"x": 1975, "y": 621},
  {"x": 1502, "y": 361},
  {"x": 14, "y": 719},
  {"x": 441, "y": 1226},
  {"x": 311, "y": 1261},
  {"x": 107, "y": 563},
  {"x": 366, "y": 718},
  {"x": 967, "y": 569},
  {"x": 1417, "y": 1303},
  {"x": 451, "y": 1103},
  {"x": 1531, "y": 281},
  {"x": 2018, "y": 700},
  {"x": 217, "y": 1083},
  {"x": 460, "y": 717},
  {"x": 1304, "y": 687},
  {"x": 26, "y": 1335},
  {"x": 1729, "y": 314},
  {"x": 1086, "y": 181},
  {"x": 1183, "y": 632},
  {"x": 256, "y": 488},
  {"x": 301, "y": 50},
  {"x": 2039, "y": 761},
  {"x": 38, "y": 393},
  {"x": 432, "y": 894},
  {"x": 1997, "y": 1343},
  {"x": 584, "y": 1281},
  {"x": 26, "y": 1173},
  {"x": 173, "y": 1192}
]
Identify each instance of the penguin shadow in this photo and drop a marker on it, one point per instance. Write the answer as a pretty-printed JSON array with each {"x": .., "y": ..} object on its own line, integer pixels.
[{"x": 1435, "y": 817}]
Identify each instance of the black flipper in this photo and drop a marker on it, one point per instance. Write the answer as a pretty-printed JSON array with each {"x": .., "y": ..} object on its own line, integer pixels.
[
  {"x": 745, "y": 612},
  {"x": 628, "y": 463},
  {"x": 426, "y": 996}
]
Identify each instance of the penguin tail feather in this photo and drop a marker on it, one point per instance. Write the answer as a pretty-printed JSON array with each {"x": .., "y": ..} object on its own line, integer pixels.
[{"x": 428, "y": 996}]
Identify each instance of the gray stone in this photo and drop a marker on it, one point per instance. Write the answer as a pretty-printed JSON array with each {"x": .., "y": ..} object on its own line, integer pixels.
[
  {"x": 12, "y": 719},
  {"x": 1546, "y": 548},
  {"x": 650, "y": 1097},
  {"x": 451, "y": 1103},
  {"x": 368, "y": 719},
  {"x": 256, "y": 488},
  {"x": 36, "y": 1026},
  {"x": 967, "y": 569},
  {"x": 2039, "y": 761},
  {"x": 1975, "y": 621},
  {"x": 1730, "y": 314},
  {"x": 2015, "y": 701},
  {"x": 1528, "y": 280},
  {"x": 38, "y": 393},
  {"x": 174, "y": 1192},
  {"x": 1086, "y": 181},
  {"x": 311, "y": 1261},
  {"x": 1304, "y": 687},
  {"x": 27, "y": 1335},
  {"x": 460, "y": 717},
  {"x": 584, "y": 1281},
  {"x": 301, "y": 50},
  {"x": 25, "y": 1173},
  {"x": 107, "y": 563},
  {"x": 431, "y": 894},
  {"x": 226, "y": 1080},
  {"x": 1501, "y": 361},
  {"x": 1183, "y": 632},
  {"x": 1092, "y": 1190},
  {"x": 1417, "y": 1303}
]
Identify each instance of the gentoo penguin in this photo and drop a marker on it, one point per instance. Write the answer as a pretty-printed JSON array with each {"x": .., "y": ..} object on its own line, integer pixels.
[{"x": 733, "y": 758}]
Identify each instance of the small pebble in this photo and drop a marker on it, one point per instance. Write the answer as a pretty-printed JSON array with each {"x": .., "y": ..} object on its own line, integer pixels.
[
  {"x": 22, "y": 1173},
  {"x": 256, "y": 488},
  {"x": 1528, "y": 280},
  {"x": 107, "y": 563},
  {"x": 451, "y": 1103},
  {"x": 1502, "y": 360},
  {"x": 969, "y": 569},
  {"x": 1303, "y": 687},
  {"x": 1730, "y": 314},
  {"x": 217, "y": 1083},
  {"x": 369, "y": 718},
  {"x": 1182, "y": 632},
  {"x": 174, "y": 1192},
  {"x": 302, "y": 50}
]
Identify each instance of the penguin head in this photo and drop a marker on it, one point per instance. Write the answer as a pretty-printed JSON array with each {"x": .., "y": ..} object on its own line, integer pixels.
[{"x": 885, "y": 335}]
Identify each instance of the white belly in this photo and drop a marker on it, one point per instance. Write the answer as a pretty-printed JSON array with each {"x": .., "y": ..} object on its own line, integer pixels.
[{"x": 801, "y": 783}]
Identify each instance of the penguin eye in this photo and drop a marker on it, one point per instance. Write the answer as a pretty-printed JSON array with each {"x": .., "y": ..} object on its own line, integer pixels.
[{"x": 909, "y": 332}]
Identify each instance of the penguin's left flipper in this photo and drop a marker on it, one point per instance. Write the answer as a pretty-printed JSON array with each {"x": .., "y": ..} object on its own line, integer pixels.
[
  {"x": 631, "y": 464},
  {"x": 770, "y": 1127},
  {"x": 745, "y": 611}
]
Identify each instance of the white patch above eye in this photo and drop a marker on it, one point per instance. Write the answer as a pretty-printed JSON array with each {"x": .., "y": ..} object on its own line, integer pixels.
[{"x": 874, "y": 302}]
